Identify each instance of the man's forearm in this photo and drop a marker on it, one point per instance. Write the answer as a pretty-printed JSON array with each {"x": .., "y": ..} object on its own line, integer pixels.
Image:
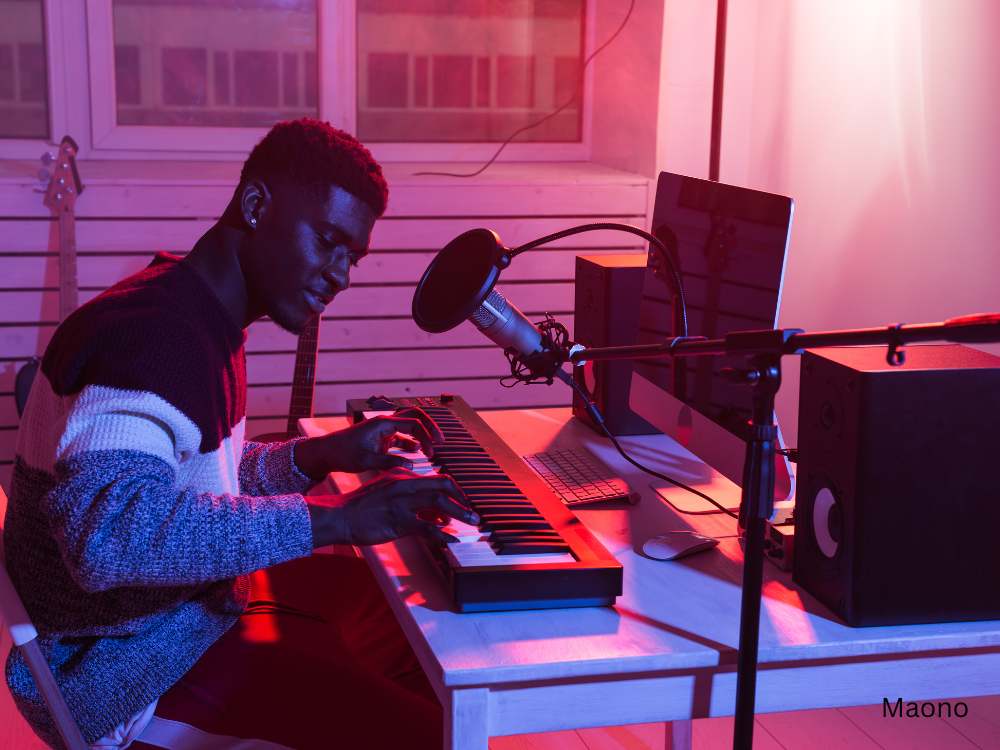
[{"x": 118, "y": 520}]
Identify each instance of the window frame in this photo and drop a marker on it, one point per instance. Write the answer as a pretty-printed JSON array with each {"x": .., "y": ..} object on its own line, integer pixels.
[{"x": 82, "y": 100}]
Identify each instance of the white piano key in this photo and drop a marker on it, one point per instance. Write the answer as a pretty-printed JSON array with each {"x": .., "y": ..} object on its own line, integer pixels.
[{"x": 473, "y": 548}]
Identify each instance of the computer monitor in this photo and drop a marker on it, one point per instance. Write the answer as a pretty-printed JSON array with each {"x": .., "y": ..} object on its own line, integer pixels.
[{"x": 729, "y": 244}]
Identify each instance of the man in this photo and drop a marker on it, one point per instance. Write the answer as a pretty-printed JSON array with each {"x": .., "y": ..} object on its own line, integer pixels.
[{"x": 138, "y": 512}]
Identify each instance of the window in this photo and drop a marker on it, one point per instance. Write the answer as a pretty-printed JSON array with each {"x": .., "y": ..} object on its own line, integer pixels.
[
  {"x": 429, "y": 80},
  {"x": 468, "y": 70},
  {"x": 24, "y": 95},
  {"x": 214, "y": 64}
]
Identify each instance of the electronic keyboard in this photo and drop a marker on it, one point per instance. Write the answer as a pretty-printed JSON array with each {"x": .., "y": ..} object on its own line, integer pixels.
[{"x": 529, "y": 551}]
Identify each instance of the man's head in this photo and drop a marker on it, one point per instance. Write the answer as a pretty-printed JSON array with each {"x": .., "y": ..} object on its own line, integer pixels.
[
  {"x": 308, "y": 198},
  {"x": 310, "y": 157}
]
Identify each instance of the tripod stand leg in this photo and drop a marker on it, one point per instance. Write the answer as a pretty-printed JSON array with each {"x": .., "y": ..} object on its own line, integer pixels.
[
  {"x": 746, "y": 675},
  {"x": 755, "y": 508}
]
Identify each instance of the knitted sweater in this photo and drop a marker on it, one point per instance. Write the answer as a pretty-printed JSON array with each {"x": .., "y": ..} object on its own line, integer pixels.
[{"x": 136, "y": 508}]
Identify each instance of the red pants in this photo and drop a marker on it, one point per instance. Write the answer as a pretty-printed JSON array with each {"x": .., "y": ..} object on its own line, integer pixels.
[{"x": 317, "y": 661}]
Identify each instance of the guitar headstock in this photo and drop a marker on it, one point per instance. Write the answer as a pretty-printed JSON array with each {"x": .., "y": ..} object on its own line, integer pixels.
[{"x": 65, "y": 184}]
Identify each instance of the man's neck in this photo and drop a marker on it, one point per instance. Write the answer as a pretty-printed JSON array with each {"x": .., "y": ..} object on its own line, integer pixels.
[{"x": 216, "y": 259}]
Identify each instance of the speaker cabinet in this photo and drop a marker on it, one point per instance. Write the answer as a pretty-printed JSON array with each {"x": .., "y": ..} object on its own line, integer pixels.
[
  {"x": 608, "y": 298},
  {"x": 898, "y": 508}
]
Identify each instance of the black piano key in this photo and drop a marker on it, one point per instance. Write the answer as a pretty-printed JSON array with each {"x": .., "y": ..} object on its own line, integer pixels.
[
  {"x": 491, "y": 500},
  {"x": 490, "y": 514},
  {"x": 530, "y": 548},
  {"x": 526, "y": 535},
  {"x": 525, "y": 508},
  {"x": 476, "y": 474},
  {"x": 519, "y": 525}
]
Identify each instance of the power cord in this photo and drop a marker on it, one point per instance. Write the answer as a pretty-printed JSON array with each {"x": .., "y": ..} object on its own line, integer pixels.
[
  {"x": 596, "y": 417},
  {"x": 576, "y": 93},
  {"x": 652, "y": 239}
]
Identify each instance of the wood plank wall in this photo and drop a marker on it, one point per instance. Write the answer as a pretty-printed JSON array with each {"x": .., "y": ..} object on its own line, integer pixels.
[{"x": 368, "y": 342}]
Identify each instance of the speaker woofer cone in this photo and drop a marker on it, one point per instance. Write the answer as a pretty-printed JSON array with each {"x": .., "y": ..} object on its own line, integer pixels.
[{"x": 824, "y": 522}]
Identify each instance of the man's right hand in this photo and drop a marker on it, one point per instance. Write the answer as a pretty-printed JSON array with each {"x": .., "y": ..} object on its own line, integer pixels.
[{"x": 387, "y": 508}]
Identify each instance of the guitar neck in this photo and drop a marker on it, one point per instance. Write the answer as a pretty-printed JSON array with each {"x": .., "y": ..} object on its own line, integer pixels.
[
  {"x": 60, "y": 196},
  {"x": 69, "y": 297},
  {"x": 304, "y": 378}
]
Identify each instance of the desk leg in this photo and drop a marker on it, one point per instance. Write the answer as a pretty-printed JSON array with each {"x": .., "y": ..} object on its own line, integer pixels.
[
  {"x": 466, "y": 720},
  {"x": 679, "y": 735}
]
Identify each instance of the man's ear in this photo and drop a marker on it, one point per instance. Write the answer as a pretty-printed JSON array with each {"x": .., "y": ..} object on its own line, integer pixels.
[{"x": 256, "y": 202}]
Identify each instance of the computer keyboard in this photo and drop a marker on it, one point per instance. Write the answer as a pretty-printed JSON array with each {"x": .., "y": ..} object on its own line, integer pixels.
[{"x": 577, "y": 479}]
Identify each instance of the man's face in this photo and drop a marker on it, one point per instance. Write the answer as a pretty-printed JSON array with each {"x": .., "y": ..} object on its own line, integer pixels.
[{"x": 302, "y": 252}]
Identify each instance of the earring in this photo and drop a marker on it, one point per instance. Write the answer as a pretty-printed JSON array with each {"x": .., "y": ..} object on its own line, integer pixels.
[{"x": 253, "y": 222}]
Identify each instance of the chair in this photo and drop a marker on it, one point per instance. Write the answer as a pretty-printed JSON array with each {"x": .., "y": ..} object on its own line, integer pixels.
[
  {"x": 25, "y": 637},
  {"x": 158, "y": 732}
]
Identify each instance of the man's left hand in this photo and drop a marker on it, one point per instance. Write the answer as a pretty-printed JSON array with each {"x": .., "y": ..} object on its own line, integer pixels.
[{"x": 364, "y": 446}]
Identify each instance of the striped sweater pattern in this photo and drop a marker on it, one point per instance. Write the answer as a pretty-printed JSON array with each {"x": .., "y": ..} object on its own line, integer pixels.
[{"x": 137, "y": 508}]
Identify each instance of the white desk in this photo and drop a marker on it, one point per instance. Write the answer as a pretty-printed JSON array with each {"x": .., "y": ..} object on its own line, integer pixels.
[{"x": 667, "y": 650}]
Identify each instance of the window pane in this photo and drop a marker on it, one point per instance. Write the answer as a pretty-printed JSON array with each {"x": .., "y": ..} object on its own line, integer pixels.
[
  {"x": 468, "y": 70},
  {"x": 215, "y": 62},
  {"x": 24, "y": 90}
]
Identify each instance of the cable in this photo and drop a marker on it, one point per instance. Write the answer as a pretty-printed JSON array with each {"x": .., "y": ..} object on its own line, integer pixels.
[
  {"x": 621, "y": 228},
  {"x": 576, "y": 93},
  {"x": 668, "y": 479},
  {"x": 595, "y": 415}
]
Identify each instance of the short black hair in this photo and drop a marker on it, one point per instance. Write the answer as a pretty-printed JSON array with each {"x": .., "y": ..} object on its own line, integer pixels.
[{"x": 313, "y": 155}]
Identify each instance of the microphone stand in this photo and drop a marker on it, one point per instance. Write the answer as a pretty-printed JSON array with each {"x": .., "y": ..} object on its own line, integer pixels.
[{"x": 763, "y": 350}]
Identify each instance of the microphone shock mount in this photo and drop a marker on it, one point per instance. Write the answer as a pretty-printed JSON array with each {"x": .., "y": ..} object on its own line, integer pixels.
[{"x": 541, "y": 366}]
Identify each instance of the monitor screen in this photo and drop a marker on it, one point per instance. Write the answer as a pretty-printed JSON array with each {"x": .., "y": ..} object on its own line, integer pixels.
[{"x": 729, "y": 245}]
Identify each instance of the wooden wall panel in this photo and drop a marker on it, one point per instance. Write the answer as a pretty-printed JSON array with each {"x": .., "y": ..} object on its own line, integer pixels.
[
  {"x": 368, "y": 341},
  {"x": 18, "y": 342},
  {"x": 416, "y": 364},
  {"x": 331, "y": 399}
]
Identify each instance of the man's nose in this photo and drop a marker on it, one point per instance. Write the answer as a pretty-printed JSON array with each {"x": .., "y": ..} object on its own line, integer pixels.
[{"x": 338, "y": 276}]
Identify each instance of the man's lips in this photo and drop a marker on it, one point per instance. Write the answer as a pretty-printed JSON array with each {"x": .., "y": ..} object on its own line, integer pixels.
[{"x": 317, "y": 302}]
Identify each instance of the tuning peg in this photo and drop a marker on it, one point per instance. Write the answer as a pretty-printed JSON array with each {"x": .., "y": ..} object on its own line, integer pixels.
[
  {"x": 43, "y": 175},
  {"x": 48, "y": 158}
]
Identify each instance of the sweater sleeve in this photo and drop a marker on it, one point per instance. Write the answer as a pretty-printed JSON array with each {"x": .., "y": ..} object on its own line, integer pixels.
[
  {"x": 269, "y": 469},
  {"x": 137, "y": 504},
  {"x": 119, "y": 520}
]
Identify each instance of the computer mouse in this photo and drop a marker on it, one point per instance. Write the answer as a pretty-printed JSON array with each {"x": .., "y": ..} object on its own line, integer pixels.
[{"x": 676, "y": 544}]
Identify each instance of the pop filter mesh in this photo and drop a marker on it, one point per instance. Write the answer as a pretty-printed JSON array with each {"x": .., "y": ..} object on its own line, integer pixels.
[{"x": 456, "y": 281}]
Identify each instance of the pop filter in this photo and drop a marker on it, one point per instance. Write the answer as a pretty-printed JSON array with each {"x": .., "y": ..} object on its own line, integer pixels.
[
  {"x": 458, "y": 285},
  {"x": 457, "y": 281}
]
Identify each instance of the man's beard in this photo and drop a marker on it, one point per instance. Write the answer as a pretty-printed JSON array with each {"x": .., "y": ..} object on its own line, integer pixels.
[{"x": 285, "y": 319}]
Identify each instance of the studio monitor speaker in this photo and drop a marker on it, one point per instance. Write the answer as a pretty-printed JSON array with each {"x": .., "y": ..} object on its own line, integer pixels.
[
  {"x": 897, "y": 512},
  {"x": 608, "y": 298}
]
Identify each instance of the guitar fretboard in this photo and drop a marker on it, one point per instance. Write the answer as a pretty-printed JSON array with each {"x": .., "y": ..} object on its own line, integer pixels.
[{"x": 304, "y": 378}]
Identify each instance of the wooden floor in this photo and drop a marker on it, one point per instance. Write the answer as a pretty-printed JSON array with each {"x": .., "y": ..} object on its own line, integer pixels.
[{"x": 857, "y": 728}]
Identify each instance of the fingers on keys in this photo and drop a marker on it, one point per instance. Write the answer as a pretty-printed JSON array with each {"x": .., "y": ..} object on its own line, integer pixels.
[
  {"x": 419, "y": 416},
  {"x": 440, "y": 494}
]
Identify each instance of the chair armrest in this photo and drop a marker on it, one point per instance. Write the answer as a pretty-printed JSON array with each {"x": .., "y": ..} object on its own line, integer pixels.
[{"x": 12, "y": 611}]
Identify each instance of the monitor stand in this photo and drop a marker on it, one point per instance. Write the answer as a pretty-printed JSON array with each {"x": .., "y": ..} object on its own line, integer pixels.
[{"x": 712, "y": 443}]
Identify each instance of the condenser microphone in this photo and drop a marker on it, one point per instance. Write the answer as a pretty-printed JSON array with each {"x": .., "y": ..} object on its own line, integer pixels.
[{"x": 458, "y": 285}]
